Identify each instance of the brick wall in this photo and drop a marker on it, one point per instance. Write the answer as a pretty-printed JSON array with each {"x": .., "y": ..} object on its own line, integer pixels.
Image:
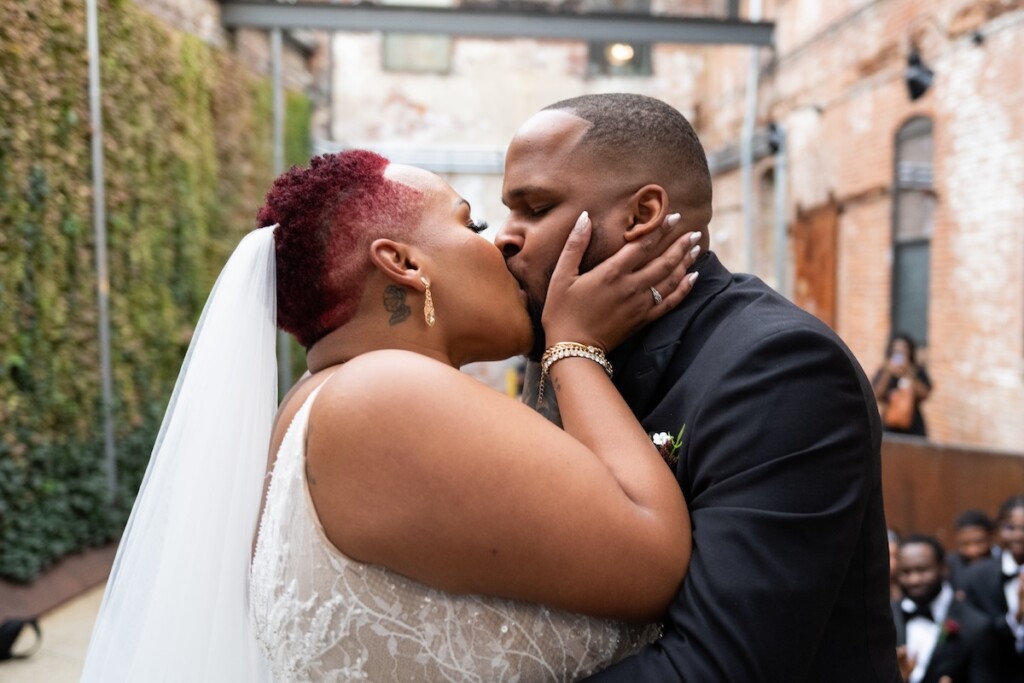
[
  {"x": 836, "y": 85},
  {"x": 202, "y": 18},
  {"x": 491, "y": 88},
  {"x": 198, "y": 17}
]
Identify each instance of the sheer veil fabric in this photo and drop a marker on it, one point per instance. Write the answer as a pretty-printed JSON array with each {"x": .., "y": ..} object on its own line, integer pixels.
[{"x": 176, "y": 604}]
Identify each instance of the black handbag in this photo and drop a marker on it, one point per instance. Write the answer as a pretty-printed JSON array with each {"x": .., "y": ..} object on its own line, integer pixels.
[{"x": 9, "y": 632}]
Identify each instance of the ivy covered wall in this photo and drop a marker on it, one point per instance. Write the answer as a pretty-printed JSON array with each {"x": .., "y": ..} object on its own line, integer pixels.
[{"x": 188, "y": 159}]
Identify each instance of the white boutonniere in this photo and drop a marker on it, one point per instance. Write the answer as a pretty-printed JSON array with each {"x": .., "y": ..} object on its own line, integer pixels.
[{"x": 668, "y": 446}]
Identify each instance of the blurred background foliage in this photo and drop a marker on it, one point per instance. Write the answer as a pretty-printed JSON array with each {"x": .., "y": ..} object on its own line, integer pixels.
[{"x": 188, "y": 159}]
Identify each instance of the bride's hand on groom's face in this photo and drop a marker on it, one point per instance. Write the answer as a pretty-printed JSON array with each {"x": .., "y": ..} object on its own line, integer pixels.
[{"x": 617, "y": 297}]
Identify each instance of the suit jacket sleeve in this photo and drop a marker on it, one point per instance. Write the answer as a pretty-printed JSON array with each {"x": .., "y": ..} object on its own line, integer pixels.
[
  {"x": 984, "y": 658},
  {"x": 779, "y": 459}
]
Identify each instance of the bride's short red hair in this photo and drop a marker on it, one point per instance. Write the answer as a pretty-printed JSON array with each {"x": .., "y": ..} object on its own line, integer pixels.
[{"x": 327, "y": 216}]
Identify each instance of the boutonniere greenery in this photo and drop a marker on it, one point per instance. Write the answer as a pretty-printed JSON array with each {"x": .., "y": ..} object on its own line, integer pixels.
[
  {"x": 668, "y": 446},
  {"x": 949, "y": 629}
]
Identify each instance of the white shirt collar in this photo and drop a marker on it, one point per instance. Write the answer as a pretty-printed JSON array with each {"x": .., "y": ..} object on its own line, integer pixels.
[
  {"x": 939, "y": 606},
  {"x": 1010, "y": 565}
]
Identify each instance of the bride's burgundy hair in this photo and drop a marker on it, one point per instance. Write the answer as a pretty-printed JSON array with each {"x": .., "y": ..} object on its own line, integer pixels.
[{"x": 327, "y": 216}]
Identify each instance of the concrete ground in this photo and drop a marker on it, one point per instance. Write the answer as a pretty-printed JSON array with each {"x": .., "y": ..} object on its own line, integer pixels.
[{"x": 66, "y": 632}]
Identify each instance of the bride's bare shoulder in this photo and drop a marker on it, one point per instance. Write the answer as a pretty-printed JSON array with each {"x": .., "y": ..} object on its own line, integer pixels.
[{"x": 392, "y": 374}]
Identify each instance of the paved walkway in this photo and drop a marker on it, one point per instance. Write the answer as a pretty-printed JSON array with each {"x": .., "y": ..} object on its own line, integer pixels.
[{"x": 66, "y": 632}]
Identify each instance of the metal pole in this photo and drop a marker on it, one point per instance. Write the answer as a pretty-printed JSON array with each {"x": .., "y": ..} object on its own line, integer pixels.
[
  {"x": 781, "y": 228},
  {"x": 747, "y": 144},
  {"x": 284, "y": 347},
  {"x": 99, "y": 218}
]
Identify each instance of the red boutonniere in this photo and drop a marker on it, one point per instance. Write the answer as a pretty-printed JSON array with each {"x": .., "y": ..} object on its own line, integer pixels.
[{"x": 950, "y": 629}]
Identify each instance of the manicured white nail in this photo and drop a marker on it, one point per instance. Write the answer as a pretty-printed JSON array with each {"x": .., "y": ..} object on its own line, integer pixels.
[
  {"x": 692, "y": 277},
  {"x": 694, "y": 237},
  {"x": 694, "y": 252},
  {"x": 671, "y": 220},
  {"x": 581, "y": 222}
]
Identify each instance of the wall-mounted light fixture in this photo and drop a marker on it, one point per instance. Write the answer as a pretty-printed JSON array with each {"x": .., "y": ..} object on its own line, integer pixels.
[{"x": 918, "y": 76}]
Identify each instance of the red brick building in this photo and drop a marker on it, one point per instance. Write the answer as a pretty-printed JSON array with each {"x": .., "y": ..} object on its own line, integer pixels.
[
  {"x": 903, "y": 214},
  {"x": 893, "y": 213}
]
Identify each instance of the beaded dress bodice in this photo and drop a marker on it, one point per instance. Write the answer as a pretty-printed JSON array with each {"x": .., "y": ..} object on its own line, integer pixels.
[{"x": 320, "y": 616}]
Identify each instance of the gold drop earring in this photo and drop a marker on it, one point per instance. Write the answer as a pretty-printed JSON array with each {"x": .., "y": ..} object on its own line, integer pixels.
[{"x": 428, "y": 304}]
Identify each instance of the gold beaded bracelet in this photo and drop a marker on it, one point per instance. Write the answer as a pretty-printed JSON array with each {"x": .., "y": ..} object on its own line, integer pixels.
[{"x": 562, "y": 350}]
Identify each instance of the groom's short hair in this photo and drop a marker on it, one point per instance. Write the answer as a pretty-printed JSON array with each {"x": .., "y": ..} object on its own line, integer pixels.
[
  {"x": 643, "y": 133},
  {"x": 327, "y": 216}
]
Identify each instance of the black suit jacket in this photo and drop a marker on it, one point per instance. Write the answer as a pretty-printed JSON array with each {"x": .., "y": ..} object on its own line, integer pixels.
[
  {"x": 956, "y": 567},
  {"x": 983, "y": 588},
  {"x": 789, "y": 578},
  {"x": 966, "y": 653}
]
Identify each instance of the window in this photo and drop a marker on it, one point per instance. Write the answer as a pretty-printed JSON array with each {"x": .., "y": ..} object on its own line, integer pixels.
[
  {"x": 913, "y": 222},
  {"x": 619, "y": 58},
  {"x": 417, "y": 52}
]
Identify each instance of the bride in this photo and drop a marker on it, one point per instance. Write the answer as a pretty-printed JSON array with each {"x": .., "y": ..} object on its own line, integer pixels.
[{"x": 413, "y": 524}]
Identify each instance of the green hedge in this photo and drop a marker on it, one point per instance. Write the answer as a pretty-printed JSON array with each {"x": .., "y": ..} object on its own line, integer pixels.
[{"x": 188, "y": 158}]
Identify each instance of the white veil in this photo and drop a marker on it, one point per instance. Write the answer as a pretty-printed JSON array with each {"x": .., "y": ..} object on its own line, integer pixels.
[{"x": 176, "y": 604}]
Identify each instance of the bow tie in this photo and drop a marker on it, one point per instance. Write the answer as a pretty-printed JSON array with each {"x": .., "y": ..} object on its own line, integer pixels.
[{"x": 924, "y": 611}]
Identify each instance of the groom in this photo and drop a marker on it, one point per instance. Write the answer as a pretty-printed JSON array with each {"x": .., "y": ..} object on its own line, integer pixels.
[{"x": 779, "y": 453}]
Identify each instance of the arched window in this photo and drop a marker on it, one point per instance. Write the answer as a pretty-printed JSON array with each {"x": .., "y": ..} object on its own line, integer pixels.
[{"x": 913, "y": 221}]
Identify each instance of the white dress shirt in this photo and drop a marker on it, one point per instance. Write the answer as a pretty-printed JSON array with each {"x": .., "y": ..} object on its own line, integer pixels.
[{"x": 923, "y": 634}]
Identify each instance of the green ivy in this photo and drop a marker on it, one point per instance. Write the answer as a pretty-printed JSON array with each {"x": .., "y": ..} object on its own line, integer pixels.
[{"x": 187, "y": 161}]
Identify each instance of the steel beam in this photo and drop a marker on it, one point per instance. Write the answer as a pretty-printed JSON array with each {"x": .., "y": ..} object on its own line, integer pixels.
[{"x": 497, "y": 23}]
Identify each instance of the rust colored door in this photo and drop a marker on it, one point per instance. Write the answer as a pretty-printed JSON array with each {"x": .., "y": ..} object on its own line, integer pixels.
[{"x": 814, "y": 257}]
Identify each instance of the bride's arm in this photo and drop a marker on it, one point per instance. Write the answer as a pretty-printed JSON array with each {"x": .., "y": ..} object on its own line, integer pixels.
[{"x": 420, "y": 468}]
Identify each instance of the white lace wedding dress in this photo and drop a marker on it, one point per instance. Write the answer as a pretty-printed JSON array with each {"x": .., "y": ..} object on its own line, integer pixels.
[{"x": 321, "y": 616}]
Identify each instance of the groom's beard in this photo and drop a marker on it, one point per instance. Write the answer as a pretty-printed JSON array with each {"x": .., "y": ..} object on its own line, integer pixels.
[{"x": 535, "y": 307}]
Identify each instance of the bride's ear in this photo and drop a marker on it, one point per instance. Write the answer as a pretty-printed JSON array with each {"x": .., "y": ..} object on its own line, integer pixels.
[
  {"x": 397, "y": 261},
  {"x": 649, "y": 206}
]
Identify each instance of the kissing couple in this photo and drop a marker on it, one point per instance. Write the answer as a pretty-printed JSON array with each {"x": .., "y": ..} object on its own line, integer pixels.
[{"x": 690, "y": 491}]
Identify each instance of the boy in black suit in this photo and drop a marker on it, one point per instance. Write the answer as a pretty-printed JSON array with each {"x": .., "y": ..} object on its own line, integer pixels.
[
  {"x": 973, "y": 542},
  {"x": 942, "y": 635},
  {"x": 996, "y": 587}
]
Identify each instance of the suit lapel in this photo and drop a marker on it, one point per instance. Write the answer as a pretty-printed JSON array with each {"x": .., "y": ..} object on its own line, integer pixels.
[
  {"x": 901, "y": 625},
  {"x": 996, "y": 586},
  {"x": 948, "y": 651},
  {"x": 1000, "y": 581}
]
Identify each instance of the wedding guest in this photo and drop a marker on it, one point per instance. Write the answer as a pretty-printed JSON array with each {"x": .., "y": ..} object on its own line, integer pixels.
[
  {"x": 901, "y": 386},
  {"x": 942, "y": 636},
  {"x": 996, "y": 587},
  {"x": 973, "y": 537}
]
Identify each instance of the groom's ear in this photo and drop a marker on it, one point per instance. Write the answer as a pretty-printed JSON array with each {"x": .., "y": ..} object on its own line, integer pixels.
[
  {"x": 397, "y": 261},
  {"x": 649, "y": 207}
]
